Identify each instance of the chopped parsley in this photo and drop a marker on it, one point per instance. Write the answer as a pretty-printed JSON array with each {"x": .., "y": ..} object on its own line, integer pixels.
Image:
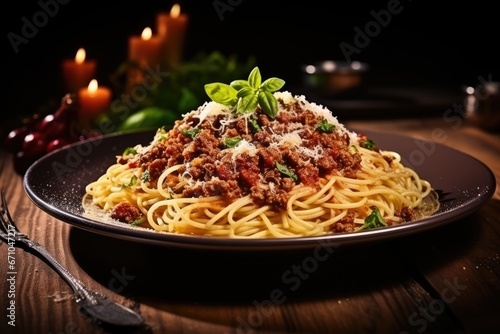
[
  {"x": 145, "y": 176},
  {"x": 133, "y": 180},
  {"x": 373, "y": 220},
  {"x": 285, "y": 171},
  {"x": 325, "y": 127},
  {"x": 191, "y": 133},
  {"x": 368, "y": 144},
  {"x": 232, "y": 141},
  {"x": 129, "y": 150},
  {"x": 255, "y": 126},
  {"x": 162, "y": 134},
  {"x": 137, "y": 222}
]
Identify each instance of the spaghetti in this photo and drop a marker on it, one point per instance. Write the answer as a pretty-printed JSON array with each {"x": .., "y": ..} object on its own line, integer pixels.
[{"x": 221, "y": 174}]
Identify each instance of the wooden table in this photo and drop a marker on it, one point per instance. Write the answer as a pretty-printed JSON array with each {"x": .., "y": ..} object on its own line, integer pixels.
[{"x": 445, "y": 280}]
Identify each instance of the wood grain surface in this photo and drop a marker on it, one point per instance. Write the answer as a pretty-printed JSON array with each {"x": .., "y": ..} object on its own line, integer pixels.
[{"x": 445, "y": 280}]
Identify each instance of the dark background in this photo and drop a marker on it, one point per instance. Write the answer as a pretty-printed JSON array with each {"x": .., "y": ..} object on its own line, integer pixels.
[{"x": 451, "y": 44}]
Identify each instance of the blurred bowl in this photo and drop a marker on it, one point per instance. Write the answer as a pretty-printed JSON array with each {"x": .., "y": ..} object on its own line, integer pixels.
[
  {"x": 335, "y": 77},
  {"x": 482, "y": 105}
]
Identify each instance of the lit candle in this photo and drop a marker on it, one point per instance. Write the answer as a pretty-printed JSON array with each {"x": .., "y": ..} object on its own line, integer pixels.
[
  {"x": 78, "y": 72},
  {"x": 93, "y": 101},
  {"x": 172, "y": 29},
  {"x": 145, "y": 49}
]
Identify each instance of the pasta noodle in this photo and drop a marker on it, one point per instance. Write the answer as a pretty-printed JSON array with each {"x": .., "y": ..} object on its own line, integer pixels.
[{"x": 221, "y": 174}]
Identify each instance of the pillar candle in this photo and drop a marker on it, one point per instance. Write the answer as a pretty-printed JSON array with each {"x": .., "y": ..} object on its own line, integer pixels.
[
  {"x": 172, "y": 29},
  {"x": 93, "y": 101},
  {"x": 145, "y": 49},
  {"x": 78, "y": 72}
]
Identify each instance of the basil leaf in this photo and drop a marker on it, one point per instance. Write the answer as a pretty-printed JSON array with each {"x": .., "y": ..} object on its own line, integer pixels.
[
  {"x": 221, "y": 93},
  {"x": 245, "y": 91},
  {"x": 244, "y": 96},
  {"x": 272, "y": 84},
  {"x": 254, "y": 78},
  {"x": 239, "y": 84},
  {"x": 268, "y": 103},
  {"x": 247, "y": 104}
]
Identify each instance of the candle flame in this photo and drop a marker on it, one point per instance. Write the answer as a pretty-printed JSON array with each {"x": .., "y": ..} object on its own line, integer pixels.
[
  {"x": 80, "y": 56},
  {"x": 175, "y": 11},
  {"x": 146, "y": 33},
  {"x": 93, "y": 86}
]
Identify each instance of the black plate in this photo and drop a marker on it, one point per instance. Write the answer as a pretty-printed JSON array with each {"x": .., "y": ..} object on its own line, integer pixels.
[{"x": 56, "y": 183}]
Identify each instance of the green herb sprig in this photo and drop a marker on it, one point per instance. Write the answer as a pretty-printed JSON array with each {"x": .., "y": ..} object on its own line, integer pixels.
[
  {"x": 232, "y": 141},
  {"x": 129, "y": 150},
  {"x": 191, "y": 133},
  {"x": 373, "y": 220},
  {"x": 368, "y": 144},
  {"x": 133, "y": 181},
  {"x": 246, "y": 95},
  {"x": 325, "y": 127},
  {"x": 285, "y": 171}
]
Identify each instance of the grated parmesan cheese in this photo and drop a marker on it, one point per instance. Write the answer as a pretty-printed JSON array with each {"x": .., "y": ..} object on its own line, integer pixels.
[
  {"x": 289, "y": 99},
  {"x": 286, "y": 97},
  {"x": 212, "y": 109},
  {"x": 142, "y": 149},
  {"x": 243, "y": 146},
  {"x": 293, "y": 139},
  {"x": 287, "y": 139}
]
